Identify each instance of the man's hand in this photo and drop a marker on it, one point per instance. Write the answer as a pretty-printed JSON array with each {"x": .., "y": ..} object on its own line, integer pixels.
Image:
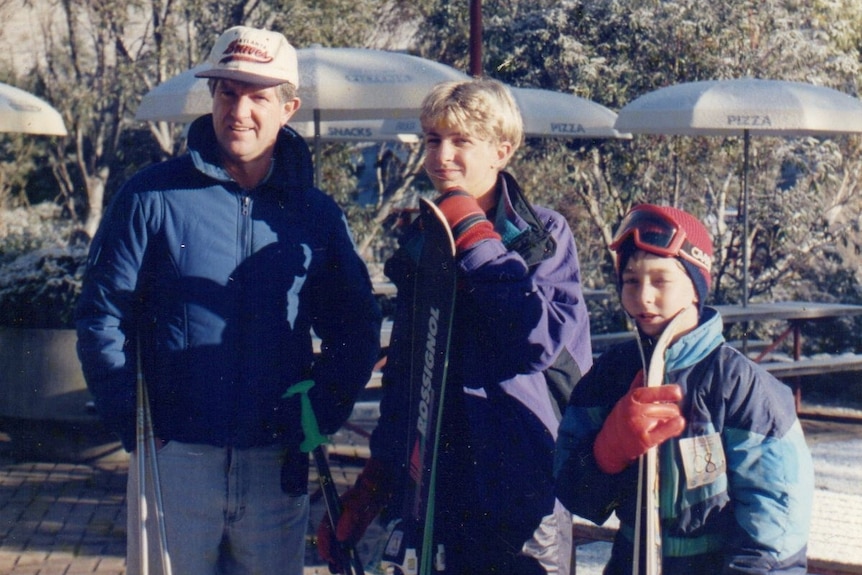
[{"x": 643, "y": 418}]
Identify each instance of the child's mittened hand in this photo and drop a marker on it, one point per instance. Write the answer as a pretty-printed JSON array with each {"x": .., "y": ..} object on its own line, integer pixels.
[
  {"x": 465, "y": 218},
  {"x": 643, "y": 418}
]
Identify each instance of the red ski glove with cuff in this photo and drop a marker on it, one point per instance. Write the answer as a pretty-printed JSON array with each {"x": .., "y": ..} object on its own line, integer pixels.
[
  {"x": 643, "y": 418},
  {"x": 359, "y": 506},
  {"x": 466, "y": 219}
]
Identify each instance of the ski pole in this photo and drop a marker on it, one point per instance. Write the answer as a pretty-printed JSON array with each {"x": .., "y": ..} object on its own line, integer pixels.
[
  {"x": 347, "y": 556},
  {"x": 140, "y": 452},
  {"x": 147, "y": 443}
]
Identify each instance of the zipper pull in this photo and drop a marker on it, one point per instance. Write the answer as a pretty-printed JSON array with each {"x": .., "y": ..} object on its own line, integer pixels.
[{"x": 246, "y": 201}]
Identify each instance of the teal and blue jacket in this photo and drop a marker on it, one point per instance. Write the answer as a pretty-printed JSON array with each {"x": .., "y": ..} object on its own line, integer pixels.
[{"x": 736, "y": 487}]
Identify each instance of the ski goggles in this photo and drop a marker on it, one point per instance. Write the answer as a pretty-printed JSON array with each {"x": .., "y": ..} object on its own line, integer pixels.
[{"x": 655, "y": 232}]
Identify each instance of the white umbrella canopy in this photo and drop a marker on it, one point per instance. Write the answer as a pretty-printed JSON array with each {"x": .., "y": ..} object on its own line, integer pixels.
[
  {"x": 742, "y": 107},
  {"x": 551, "y": 114},
  {"x": 359, "y": 83},
  {"x": 732, "y": 107},
  {"x": 388, "y": 99},
  {"x": 355, "y": 131},
  {"x": 179, "y": 99},
  {"x": 546, "y": 114},
  {"x": 22, "y": 112},
  {"x": 334, "y": 84},
  {"x": 184, "y": 98}
]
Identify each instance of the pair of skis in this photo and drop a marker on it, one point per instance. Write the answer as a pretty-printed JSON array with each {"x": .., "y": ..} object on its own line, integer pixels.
[
  {"x": 647, "y": 552},
  {"x": 411, "y": 548}
]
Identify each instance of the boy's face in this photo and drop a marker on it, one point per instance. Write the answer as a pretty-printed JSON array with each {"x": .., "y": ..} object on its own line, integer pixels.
[
  {"x": 654, "y": 289},
  {"x": 454, "y": 159}
]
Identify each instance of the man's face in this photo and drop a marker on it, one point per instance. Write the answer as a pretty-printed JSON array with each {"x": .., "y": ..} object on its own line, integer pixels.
[{"x": 247, "y": 119}]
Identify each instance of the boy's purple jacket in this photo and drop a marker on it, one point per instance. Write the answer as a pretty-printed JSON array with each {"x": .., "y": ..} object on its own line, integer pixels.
[{"x": 512, "y": 322}]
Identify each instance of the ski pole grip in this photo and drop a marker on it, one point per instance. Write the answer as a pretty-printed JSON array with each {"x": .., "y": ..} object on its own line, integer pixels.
[{"x": 308, "y": 419}]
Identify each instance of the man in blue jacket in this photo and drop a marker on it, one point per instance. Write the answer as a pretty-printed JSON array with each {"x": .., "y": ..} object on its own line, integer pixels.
[{"x": 215, "y": 267}]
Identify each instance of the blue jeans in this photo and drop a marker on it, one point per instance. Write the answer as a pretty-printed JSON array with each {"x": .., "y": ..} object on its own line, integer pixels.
[{"x": 225, "y": 513}]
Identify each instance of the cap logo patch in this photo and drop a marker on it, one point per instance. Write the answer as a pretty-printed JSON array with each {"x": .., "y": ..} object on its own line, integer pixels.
[{"x": 245, "y": 52}]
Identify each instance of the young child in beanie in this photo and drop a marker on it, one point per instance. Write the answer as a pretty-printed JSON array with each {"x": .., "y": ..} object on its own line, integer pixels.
[{"x": 736, "y": 477}]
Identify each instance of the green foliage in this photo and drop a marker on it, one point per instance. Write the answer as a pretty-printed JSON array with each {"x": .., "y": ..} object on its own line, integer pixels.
[
  {"x": 614, "y": 51},
  {"x": 805, "y": 204},
  {"x": 39, "y": 288},
  {"x": 42, "y": 270}
]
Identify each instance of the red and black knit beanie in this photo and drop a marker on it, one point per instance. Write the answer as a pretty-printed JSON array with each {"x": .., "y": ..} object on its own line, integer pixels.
[{"x": 697, "y": 248}]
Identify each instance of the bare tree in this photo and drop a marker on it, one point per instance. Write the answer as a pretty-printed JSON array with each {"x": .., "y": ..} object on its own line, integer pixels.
[{"x": 87, "y": 73}]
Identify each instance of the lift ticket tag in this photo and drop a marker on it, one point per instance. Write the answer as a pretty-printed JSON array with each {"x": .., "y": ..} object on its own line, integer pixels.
[{"x": 702, "y": 459}]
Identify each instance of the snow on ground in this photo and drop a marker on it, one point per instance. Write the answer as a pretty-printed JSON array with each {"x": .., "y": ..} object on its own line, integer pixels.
[{"x": 836, "y": 530}]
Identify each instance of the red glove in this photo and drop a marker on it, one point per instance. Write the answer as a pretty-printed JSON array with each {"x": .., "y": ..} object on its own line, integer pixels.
[
  {"x": 359, "y": 506},
  {"x": 466, "y": 219},
  {"x": 643, "y": 418}
]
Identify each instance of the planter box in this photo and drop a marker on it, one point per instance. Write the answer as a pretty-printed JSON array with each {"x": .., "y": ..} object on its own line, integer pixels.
[
  {"x": 44, "y": 410},
  {"x": 41, "y": 377}
]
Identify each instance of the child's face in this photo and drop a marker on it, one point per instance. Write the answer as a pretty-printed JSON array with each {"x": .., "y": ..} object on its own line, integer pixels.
[
  {"x": 454, "y": 159},
  {"x": 654, "y": 289}
]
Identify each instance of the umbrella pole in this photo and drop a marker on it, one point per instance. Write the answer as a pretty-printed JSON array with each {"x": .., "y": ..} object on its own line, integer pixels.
[
  {"x": 746, "y": 257},
  {"x": 316, "y": 148}
]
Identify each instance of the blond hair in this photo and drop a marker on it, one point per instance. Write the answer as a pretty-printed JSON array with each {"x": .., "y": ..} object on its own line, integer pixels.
[{"x": 480, "y": 107}]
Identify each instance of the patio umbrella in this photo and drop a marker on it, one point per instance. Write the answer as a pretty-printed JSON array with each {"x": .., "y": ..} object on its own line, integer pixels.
[
  {"x": 550, "y": 114},
  {"x": 742, "y": 107},
  {"x": 546, "y": 114},
  {"x": 335, "y": 84},
  {"x": 22, "y": 112},
  {"x": 352, "y": 131},
  {"x": 184, "y": 98}
]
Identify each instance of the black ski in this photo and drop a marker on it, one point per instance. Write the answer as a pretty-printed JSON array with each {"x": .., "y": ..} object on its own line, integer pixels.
[
  {"x": 346, "y": 555},
  {"x": 410, "y": 548}
]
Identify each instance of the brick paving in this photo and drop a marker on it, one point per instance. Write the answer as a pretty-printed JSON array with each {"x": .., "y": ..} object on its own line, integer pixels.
[
  {"x": 68, "y": 518},
  {"x": 62, "y": 518}
]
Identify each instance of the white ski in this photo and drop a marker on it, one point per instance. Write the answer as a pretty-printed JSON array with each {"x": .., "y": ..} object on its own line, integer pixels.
[{"x": 648, "y": 464}]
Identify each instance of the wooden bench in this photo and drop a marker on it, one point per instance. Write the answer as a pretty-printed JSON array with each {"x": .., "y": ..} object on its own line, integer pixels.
[
  {"x": 814, "y": 365},
  {"x": 602, "y": 341},
  {"x": 790, "y": 371},
  {"x": 584, "y": 533}
]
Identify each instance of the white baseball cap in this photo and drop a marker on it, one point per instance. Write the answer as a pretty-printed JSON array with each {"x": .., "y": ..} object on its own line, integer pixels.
[{"x": 260, "y": 57}]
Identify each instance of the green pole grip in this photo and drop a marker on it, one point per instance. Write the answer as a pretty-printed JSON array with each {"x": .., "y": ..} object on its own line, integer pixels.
[{"x": 310, "y": 429}]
